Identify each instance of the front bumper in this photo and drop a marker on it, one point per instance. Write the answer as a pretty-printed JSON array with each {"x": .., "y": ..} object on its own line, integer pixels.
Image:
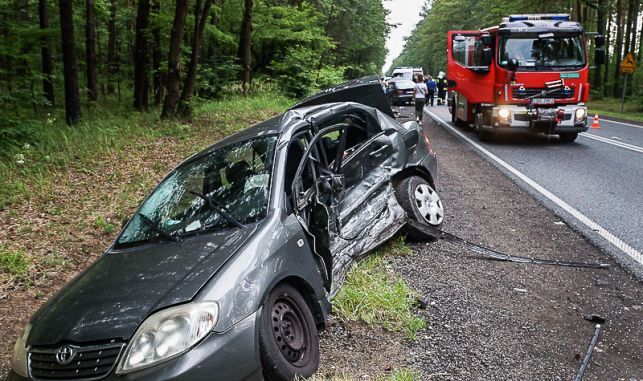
[
  {"x": 228, "y": 356},
  {"x": 519, "y": 118}
]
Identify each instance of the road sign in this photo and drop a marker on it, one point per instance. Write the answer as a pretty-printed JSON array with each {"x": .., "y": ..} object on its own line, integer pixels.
[{"x": 628, "y": 66}]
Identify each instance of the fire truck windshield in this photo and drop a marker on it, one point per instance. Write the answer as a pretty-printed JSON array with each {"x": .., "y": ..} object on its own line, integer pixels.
[{"x": 550, "y": 52}]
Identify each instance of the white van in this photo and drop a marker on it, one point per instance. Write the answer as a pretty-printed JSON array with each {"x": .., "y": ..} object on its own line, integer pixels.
[{"x": 406, "y": 72}]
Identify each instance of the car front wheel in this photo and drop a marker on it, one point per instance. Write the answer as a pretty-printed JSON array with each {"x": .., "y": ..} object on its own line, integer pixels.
[
  {"x": 288, "y": 337},
  {"x": 422, "y": 203}
]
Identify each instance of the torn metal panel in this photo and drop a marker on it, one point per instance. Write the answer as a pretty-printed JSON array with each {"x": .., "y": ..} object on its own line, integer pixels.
[{"x": 384, "y": 217}]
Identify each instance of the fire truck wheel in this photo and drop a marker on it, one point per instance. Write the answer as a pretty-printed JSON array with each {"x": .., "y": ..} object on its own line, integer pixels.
[
  {"x": 453, "y": 117},
  {"x": 568, "y": 137},
  {"x": 485, "y": 136}
]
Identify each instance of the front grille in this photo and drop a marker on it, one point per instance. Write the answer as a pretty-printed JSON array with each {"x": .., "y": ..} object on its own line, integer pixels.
[
  {"x": 87, "y": 363},
  {"x": 527, "y": 118},
  {"x": 556, "y": 94}
]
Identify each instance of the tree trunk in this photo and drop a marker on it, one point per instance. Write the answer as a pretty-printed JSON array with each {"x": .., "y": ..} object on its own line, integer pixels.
[
  {"x": 634, "y": 20},
  {"x": 141, "y": 56},
  {"x": 608, "y": 39},
  {"x": 112, "y": 64},
  {"x": 90, "y": 51},
  {"x": 245, "y": 47},
  {"x": 200, "y": 20},
  {"x": 72, "y": 98},
  {"x": 157, "y": 55},
  {"x": 600, "y": 23},
  {"x": 45, "y": 53},
  {"x": 618, "y": 48},
  {"x": 173, "y": 62}
]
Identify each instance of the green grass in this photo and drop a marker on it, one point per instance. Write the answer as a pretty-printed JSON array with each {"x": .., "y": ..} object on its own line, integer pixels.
[
  {"x": 611, "y": 107},
  {"x": 40, "y": 148},
  {"x": 105, "y": 226},
  {"x": 13, "y": 262},
  {"x": 397, "y": 375},
  {"x": 375, "y": 296}
]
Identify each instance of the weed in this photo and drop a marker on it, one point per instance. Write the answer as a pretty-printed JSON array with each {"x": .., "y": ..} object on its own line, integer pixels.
[
  {"x": 104, "y": 225},
  {"x": 54, "y": 260},
  {"x": 377, "y": 297},
  {"x": 397, "y": 375},
  {"x": 13, "y": 262}
]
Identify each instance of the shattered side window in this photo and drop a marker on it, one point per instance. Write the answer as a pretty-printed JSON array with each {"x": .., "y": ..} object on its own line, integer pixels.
[{"x": 224, "y": 188}]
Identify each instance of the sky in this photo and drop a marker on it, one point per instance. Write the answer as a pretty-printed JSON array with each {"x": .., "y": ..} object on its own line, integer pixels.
[{"x": 407, "y": 14}]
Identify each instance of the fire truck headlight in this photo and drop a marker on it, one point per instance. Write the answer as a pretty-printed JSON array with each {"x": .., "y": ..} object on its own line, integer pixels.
[
  {"x": 504, "y": 114},
  {"x": 581, "y": 114}
]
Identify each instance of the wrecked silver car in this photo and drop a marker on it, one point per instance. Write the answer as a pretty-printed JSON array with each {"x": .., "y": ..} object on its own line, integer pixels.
[{"x": 226, "y": 270}]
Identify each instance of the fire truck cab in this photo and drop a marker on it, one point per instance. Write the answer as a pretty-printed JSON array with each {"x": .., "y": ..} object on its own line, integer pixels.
[{"x": 530, "y": 72}]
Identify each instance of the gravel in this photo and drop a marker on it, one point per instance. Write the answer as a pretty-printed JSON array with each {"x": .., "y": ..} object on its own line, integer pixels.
[{"x": 490, "y": 320}]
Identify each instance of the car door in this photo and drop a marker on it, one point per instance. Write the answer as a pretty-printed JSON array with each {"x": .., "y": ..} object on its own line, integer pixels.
[{"x": 353, "y": 159}]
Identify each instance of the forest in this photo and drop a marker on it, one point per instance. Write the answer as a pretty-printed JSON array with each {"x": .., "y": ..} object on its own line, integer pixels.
[
  {"x": 618, "y": 20},
  {"x": 160, "y": 54}
]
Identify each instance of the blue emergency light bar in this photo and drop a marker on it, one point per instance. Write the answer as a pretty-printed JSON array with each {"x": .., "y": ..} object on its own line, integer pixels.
[{"x": 553, "y": 17}]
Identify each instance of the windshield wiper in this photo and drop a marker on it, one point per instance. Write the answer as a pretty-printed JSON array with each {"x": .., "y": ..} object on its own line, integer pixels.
[
  {"x": 219, "y": 209},
  {"x": 158, "y": 229}
]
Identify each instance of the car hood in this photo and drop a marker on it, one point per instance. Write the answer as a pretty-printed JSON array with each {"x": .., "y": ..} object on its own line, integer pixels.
[
  {"x": 112, "y": 297},
  {"x": 367, "y": 91}
]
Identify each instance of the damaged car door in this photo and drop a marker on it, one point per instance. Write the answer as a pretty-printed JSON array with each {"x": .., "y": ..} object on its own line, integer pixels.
[{"x": 346, "y": 208}]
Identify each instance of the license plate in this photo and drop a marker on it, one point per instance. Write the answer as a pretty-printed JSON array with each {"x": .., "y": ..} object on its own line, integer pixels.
[{"x": 543, "y": 101}]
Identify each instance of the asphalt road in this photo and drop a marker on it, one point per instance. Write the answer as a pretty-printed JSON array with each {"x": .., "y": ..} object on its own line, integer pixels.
[{"x": 599, "y": 177}]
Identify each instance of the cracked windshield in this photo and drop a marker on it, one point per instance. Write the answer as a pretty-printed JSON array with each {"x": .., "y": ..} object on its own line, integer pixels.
[{"x": 228, "y": 187}]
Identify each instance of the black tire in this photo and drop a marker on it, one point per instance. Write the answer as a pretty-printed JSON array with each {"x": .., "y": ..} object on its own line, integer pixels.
[
  {"x": 453, "y": 109},
  {"x": 486, "y": 136},
  {"x": 422, "y": 203},
  {"x": 288, "y": 337},
  {"x": 568, "y": 137}
]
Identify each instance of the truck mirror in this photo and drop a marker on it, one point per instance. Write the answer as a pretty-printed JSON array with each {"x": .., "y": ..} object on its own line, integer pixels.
[
  {"x": 512, "y": 65},
  {"x": 599, "y": 41},
  {"x": 487, "y": 56},
  {"x": 487, "y": 40},
  {"x": 459, "y": 38},
  {"x": 599, "y": 57}
]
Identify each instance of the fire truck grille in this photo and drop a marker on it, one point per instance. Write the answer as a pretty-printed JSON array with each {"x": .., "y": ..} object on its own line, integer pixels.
[
  {"x": 538, "y": 93},
  {"x": 87, "y": 363}
]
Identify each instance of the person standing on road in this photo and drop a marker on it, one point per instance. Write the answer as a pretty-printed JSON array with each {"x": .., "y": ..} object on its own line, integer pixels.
[
  {"x": 442, "y": 88},
  {"x": 420, "y": 92},
  {"x": 432, "y": 86}
]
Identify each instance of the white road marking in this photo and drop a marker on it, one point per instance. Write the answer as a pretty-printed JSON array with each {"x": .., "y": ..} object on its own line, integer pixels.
[
  {"x": 622, "y": 123},
  {"x": 602, "y": 139},
  {"x": 611, "y": 238}
]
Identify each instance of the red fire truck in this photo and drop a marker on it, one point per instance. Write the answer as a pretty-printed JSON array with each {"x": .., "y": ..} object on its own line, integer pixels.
[{"x": 529, "y": 72}]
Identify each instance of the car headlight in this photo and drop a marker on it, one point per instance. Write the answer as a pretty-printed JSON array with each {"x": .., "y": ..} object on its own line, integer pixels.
[
  {"x": 19, "y": 362},
  {"x": 504, "y": 113},
  {"x": 581, "y": 113},
  {"x": 167, "y": 334}
]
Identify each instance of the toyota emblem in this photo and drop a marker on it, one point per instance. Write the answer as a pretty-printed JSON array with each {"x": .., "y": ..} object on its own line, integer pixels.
[{"x": 64, "y": 355}]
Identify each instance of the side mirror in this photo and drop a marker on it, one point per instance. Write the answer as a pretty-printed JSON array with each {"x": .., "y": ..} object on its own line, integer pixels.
[
  {"x": 487, "y": 40},
  {"x": 512, "y": 65},
  {"x": 487, "y": 56},
  {"x": 599, "y": 57},
  {"x": 599, "y": 41}
]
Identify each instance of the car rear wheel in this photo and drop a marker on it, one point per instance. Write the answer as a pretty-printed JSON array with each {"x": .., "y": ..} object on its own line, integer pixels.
[
  {"x": 288, "y": 337},
  {"x": 422, "y": 203}
]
